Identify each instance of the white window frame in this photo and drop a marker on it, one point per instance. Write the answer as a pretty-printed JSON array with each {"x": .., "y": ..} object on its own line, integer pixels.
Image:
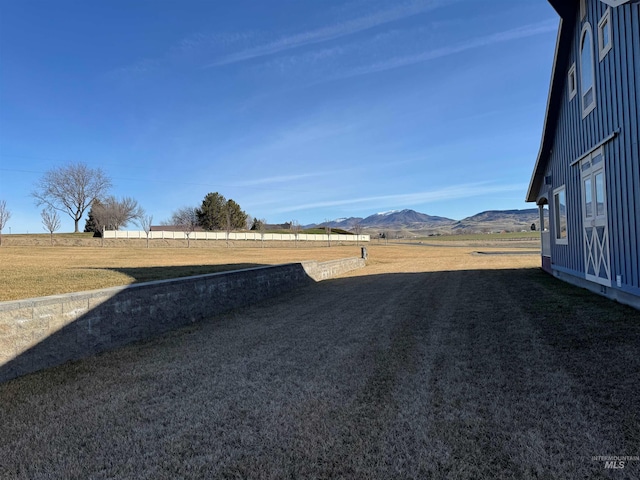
[
  {"x": 557, "y": 217},
  {"x": 587, "y": 109},
  {"x": 583, "y": 9},
  {"x": 572, "y": 81},
  {"x": 604, "y": 23},
  {"x": 596, "y": 245}
]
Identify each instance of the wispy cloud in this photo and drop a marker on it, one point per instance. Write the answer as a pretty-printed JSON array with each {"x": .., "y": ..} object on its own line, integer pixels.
[
  {"x": 289, "y": 140},
  {"x": 334, "y": 31},
  {"x": 276, "y": 179},
  {"x": 383, "y": 51},
  {"x": 135, "y": 70},
  {"x": 314, "y": 130},
  {"x": 461, "y": 191},
  {"x": 525, "y": 31},
  {"x": 217, "y": 39}
]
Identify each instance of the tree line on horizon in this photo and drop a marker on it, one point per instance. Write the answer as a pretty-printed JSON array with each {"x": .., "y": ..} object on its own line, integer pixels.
[
  {"x": 215, "y": 213},
  {"x": 75, "y": 189}
]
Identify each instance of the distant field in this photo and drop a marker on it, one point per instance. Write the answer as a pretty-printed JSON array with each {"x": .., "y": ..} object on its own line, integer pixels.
[
  {"x": 529, "y": 240},
  {"x": 486, "y": 237},
  {"x": 30, "y": 267}
]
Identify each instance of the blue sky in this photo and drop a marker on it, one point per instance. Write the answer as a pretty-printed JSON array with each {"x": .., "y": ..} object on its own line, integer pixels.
[{"x": 297, "y": 109}]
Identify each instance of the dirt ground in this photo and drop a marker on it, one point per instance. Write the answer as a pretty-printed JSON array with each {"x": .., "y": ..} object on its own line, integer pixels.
[{"x": 431, "y": 363}]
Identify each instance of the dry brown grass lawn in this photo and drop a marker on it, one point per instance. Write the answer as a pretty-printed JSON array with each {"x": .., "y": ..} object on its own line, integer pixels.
[
  {"x": 30, "y": 269},
  {"x": 36, "y": 270},
  {"x": 429, "y": 363}
]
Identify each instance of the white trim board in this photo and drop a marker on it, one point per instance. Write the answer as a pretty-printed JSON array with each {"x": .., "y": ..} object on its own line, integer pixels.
[
  {"x": 615, "y": 3},
  {"x": 606, "y": 140}
]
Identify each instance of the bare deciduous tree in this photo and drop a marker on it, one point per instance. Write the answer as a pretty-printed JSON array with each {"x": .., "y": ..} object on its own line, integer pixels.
[
  {"x": 357, "y": 228},
  {"x": 50, "y": 221},
  {"x": 187, "y": 219},
  {"x": 295, "y": 229},
  {"x": 262, "y": 226},
  {"x": 327, "y": 229},
  {"x": 114, "y": 214},
  {"x": 144, "y": 221},
  {"x": 5, "y": 215},
  {"x": 71, "y": 189},
  {"x": 228, "y": 222}
]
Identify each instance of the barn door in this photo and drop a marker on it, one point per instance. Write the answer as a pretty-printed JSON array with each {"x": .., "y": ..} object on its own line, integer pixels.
[{"x": 594, "y": 216}]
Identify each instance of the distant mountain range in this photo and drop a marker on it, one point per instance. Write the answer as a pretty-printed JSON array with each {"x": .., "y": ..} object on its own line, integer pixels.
[{"x": 410, "y": 221}]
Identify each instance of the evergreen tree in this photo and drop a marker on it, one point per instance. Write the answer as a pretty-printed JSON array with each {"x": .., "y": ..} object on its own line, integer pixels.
[
  {"x": 212, "y": 213},
  {"x": 91, "y": 225},
  {"x": 237, "y": 219},
  {"x": 218, "y": 213},
  {"x": 257, "y": 224}
]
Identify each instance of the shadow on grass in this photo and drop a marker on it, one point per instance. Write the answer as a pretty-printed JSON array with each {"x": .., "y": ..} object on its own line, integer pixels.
[
  {"x": 150, "y": 274},
  {"x": 454, "y": 374},
  {"x": 49, "y": 331}
]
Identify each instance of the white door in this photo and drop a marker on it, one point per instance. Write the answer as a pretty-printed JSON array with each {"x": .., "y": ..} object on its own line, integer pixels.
[{"x": 594, "y": 216}]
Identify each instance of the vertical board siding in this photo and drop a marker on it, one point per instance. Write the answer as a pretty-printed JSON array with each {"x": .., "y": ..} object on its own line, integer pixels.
[
  {"x": 628, "y": 42},
  {"x": 633, "y": 59},
  {"x": 617, "y": 90}
]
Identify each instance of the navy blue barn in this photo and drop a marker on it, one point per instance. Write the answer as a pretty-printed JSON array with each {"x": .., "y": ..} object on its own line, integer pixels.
[{"x": 588, "y": 168}]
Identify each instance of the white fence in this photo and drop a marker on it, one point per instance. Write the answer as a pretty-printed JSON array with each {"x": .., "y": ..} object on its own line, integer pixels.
[{"x": 301, "y": 237}]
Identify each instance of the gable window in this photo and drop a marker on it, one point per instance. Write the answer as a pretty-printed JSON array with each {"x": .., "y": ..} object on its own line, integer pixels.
[
  {"x": 587, "y": 84},
  {"x": 572, "y": 83},
  {"x": 560, "y": 216},
  {"x": 604, "y": 34}
]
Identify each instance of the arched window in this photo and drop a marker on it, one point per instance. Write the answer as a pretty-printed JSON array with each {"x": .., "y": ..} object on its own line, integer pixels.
[{"x": 587, "y": 81}]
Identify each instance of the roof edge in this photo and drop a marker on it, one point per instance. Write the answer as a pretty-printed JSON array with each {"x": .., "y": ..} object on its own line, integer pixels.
[{"x": 538, "y": 171}]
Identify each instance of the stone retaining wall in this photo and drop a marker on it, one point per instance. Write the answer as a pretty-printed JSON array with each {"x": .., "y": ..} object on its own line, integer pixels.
[
  {"x": 332, "y": 268},
  {"x": 43, "y": 332}
]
